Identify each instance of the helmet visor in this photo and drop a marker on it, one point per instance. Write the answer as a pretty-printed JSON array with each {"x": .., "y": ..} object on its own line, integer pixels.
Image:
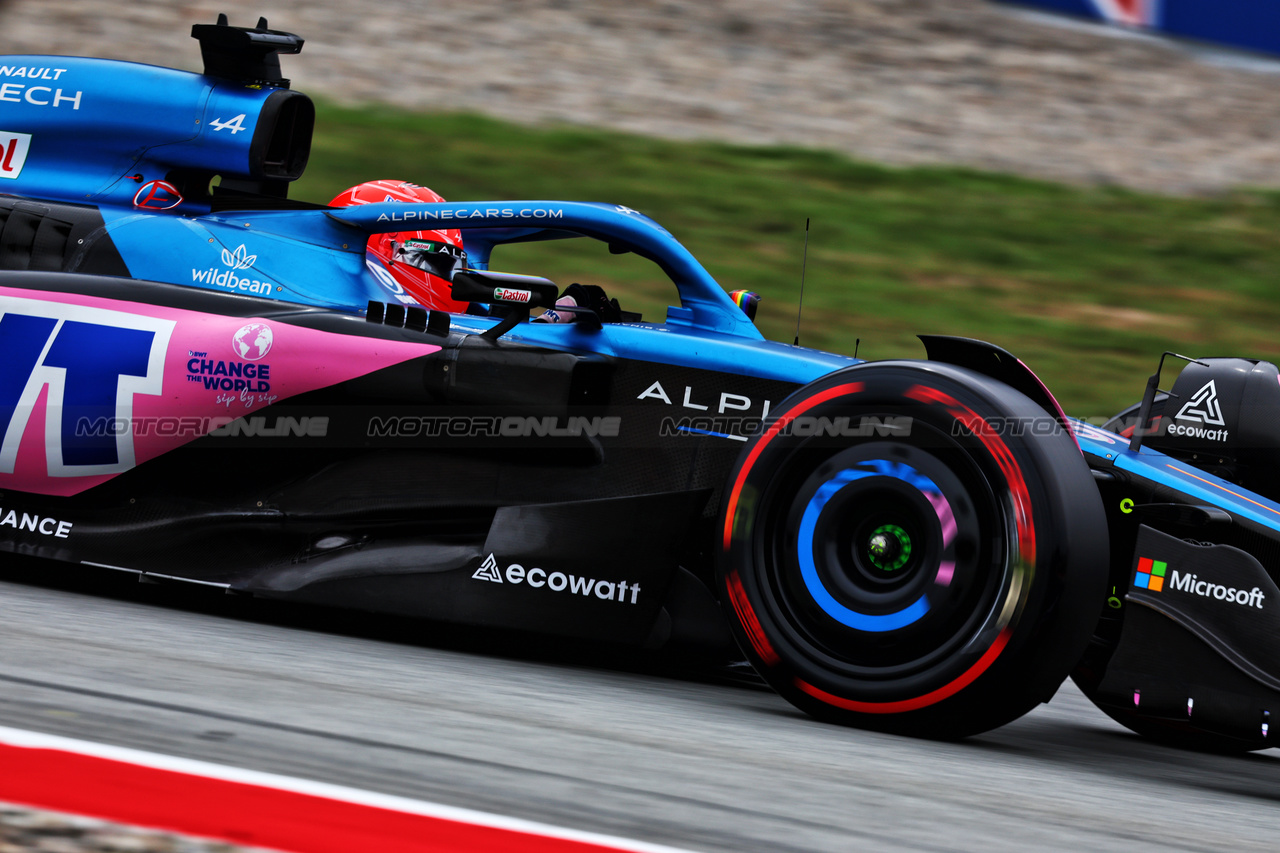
[{"x": 440, "y": 259}]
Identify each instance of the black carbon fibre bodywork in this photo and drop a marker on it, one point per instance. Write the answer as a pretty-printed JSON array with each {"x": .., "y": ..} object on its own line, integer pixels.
[
  {"x": 55, "y": 237},
  {"x": 390, "y": 491},
  {"x": 1168, "y": 660},
  {"x": 917, "y": 546}
]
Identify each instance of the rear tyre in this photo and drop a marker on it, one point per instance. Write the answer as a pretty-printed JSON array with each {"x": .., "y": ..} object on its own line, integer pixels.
[{"x": 912, "y": 547}]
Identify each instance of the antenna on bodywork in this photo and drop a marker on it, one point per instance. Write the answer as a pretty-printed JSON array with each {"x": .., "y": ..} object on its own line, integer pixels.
[
  {"x": 804, "y": 262},
  {"x": 1149, "y": 398}
]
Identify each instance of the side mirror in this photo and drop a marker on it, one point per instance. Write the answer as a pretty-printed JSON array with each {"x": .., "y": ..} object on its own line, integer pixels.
[
  {"x": 510, "y": 295},
  {"x": 504, "y": 288}
]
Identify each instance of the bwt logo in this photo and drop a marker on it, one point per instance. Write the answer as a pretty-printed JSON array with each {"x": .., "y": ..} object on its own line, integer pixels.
[{"x": 92, "y": 361}]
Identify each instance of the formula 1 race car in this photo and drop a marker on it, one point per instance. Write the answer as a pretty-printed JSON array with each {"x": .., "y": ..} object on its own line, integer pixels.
[{"x": 211, "y": 384}]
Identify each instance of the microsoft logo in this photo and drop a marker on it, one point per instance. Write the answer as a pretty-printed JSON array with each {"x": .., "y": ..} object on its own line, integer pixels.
[{"x": 1150, "y": 574}]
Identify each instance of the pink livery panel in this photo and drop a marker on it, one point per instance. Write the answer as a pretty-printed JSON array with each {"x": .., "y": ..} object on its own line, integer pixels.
[{"x": 92, "y": 387}]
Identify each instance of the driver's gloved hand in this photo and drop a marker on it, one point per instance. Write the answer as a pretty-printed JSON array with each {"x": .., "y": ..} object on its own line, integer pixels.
[
  {"x": 583, "y": 296},
  {"x": 593, "y": 296}
]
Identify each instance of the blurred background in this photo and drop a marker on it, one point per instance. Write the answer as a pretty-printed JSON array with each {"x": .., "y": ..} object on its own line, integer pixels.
[{"x": 1083, "y": 194}]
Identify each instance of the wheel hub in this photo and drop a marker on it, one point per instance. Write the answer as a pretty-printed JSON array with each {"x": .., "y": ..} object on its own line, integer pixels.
[{"x": 889, "y": 548}]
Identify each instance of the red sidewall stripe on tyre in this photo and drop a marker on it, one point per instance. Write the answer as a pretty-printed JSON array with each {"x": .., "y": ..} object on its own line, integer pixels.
[
  {"x": 1003, "y": 457},
  {"x": 780, "y": 424},
  {"x": 750, "y": 624},
  {"x": 1023, "y": 520},
  {"x": 918, "y": 702},
  {"x": 259, "y": 809}
]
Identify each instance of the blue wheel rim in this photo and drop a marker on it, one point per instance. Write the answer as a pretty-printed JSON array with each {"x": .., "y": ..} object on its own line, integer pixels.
[{"x": 869, "y": 622}]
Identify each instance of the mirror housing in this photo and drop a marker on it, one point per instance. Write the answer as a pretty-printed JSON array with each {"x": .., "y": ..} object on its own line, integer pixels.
[{"x": 509, "y": 296}]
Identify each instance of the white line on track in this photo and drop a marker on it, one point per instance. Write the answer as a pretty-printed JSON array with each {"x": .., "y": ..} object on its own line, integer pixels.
[{"x": 36, "y": 740}]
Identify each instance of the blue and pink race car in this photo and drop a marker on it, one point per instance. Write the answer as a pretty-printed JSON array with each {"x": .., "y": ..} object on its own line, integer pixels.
[{"x": 203, "y": 381}]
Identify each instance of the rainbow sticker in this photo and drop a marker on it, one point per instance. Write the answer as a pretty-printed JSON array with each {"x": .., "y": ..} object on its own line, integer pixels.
[{"x": 747, "y": 300}]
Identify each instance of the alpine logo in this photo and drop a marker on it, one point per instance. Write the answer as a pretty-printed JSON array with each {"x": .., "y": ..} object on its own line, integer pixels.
[
  {"x": 1203, "y": 406},
  {"x": 576, "y": 585},
  {"x": 239, "y": 259},
  {"x": 488, "y": 571},
  {"x": 13, "y": 153},
  {"x": 234, "y": 125}
]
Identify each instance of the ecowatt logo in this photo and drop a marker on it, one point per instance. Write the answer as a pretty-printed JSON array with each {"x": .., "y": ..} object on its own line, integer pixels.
[
  {"x": 1202, "y": 408},
  {"x": 1152, "y": 574},
  {"x": 557, "y": 581}
]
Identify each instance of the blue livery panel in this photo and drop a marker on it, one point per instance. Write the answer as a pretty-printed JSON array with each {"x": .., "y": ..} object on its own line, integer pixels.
[
  {"x": 137, "y": 136},
  {"x": 1108, "y": 447}
]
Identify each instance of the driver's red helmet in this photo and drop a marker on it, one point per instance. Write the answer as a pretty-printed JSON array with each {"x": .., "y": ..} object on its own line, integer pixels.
[{"x": 419, "y": 264}]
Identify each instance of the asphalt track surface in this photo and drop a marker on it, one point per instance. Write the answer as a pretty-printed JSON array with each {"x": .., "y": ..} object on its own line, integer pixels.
[{"x": 705, "y": 764}]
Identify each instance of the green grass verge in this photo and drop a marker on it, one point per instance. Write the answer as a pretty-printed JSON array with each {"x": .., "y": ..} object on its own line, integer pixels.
[{"x": 1086, "y": 285}]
